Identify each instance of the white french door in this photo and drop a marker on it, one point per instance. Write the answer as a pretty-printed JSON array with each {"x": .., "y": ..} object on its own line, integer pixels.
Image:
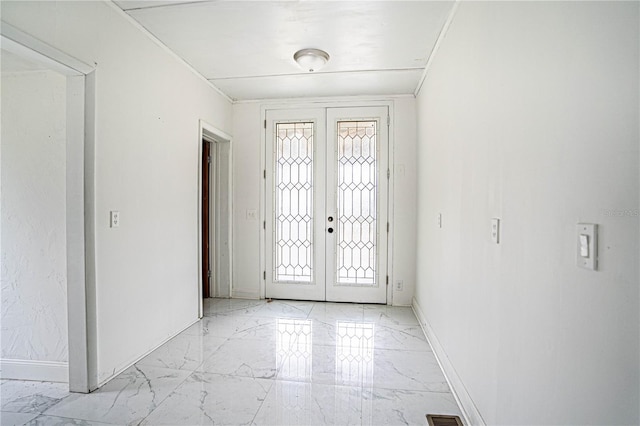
[{"x": 326, "y": 204}]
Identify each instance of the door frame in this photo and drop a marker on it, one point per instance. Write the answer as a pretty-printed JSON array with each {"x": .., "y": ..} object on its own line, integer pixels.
[
  {"x": 323, "y": 103},
  {"x": 80, "y": 201},
  {"x": 213, "y": 135}
]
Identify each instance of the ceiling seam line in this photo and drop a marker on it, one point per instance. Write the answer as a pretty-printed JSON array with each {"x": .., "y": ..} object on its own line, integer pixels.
[
  {"x": 157, "y": 6},
  {"x": 436, "y": 46},
  {"x": 315, "y": 73}
]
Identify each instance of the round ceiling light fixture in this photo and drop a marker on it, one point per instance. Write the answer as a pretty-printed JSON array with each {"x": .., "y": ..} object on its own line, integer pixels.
[{"x": 311, "y": 59}]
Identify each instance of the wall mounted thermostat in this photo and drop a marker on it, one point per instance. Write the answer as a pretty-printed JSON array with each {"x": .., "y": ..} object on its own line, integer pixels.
[{"x": 587, "y": 248}]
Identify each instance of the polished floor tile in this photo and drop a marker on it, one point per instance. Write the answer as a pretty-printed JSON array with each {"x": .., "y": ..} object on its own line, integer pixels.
[
  {"x": 236, "y": 307},
  {"x": 285, "y": 309},
  {"x": 295, "y": 403},
  {"x": 222, "y": 325},
  {"x": 262, "y": 363},
  {"x": 401, "y": 337},
  {"x": 183, "y": 352},
  {"x": 125, "y": 400},
  {"x": 389, "y": 315},
  {"x": 404, "y": 407},
  {"x": 206, "y": 398},
  {"x": 331, "y": 312},
  {"x": 243, "y": 358},
  {"x": 408, "y": 370},
  {"x": 30, "y": 397},
  {"x": 12, "y": 419},
  {"x": 63, "y": 421}
]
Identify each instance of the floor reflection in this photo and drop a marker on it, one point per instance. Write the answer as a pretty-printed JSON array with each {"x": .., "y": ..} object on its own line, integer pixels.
[
  {"x": 352, "y": 363},
  {"x": 294, "y": 348},
  {"x": 354, "y": 352}
]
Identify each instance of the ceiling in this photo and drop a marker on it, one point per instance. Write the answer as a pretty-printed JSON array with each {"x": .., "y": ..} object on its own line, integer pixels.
[{"x": 245, "y": 48}]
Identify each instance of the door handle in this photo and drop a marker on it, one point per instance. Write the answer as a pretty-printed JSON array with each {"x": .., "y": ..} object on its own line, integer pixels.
[
  {"x": 330, "y": 230},
  {"x": 330, "y": 218}
]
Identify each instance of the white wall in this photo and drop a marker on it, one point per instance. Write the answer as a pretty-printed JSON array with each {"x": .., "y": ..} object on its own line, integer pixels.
[
  {"x": 247, "y": 169},
  {"x": 246, "y": 196},
  {"x": 404, "y": 200},
  {"x": 34, "y": 275},
  {"x": 530, "y": 114},
  {"x": 147, "y": 109}
]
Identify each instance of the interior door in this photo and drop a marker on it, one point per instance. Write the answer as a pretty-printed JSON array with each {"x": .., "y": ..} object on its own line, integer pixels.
[
  {"x": 326, "y": 222},
  {"x": 206, "y": 256}
]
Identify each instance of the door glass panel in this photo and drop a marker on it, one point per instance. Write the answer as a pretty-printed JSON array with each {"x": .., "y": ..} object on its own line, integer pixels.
[
  {"x": 356, "y": 203},
  {"x": 294, "y": 202}
]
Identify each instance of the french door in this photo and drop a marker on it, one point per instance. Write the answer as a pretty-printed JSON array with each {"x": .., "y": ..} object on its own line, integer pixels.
[{"x": 326, "y": 204}]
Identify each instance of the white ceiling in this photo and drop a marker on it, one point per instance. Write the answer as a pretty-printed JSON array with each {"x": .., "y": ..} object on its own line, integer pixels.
[{"x": 246, "y": 48}]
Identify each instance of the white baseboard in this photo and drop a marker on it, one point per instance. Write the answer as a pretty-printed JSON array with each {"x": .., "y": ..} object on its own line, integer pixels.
[
  {"x": 470, "y": 412},
  {"x": 25, "y": 369}
]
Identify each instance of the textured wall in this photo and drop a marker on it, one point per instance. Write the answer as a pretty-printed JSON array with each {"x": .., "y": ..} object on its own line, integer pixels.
[
  {"x": 34, "y": 304},
  {"x": 148, "y": 106}
]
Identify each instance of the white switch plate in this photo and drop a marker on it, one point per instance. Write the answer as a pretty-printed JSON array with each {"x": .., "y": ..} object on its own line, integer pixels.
[
  {"x": 590, "y": 230},
  {"x": 399, "y": 285},
  {"x": 252, "y": 215},
  {"x": 114, "y": 219},
  {"x": 495, "y": 230}
]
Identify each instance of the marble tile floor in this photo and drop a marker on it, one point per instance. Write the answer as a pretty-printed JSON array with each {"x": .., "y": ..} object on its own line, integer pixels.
[{"x": 252, "y": 362}]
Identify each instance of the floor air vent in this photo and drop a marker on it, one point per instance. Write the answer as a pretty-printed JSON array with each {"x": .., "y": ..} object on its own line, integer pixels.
[{"x": 439, "y": 420}]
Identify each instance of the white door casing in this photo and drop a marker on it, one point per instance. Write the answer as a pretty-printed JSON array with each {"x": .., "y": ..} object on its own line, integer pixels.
[{"x": 327, "y": 204}]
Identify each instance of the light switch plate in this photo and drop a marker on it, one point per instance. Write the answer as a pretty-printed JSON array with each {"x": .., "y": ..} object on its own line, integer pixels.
[
  {"x": 590, "y": 230},
  {"x": 252, "y": 214},
  {"x": 495, "y": 230}
]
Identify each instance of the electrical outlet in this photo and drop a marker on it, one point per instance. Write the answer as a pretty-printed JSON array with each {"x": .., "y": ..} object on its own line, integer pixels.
[
  {"x": 252, "y": 215},
  {"x": 495, "y": 230},
  {"x": 114, "y": 219},
  {"x": 399, "y": 285}
]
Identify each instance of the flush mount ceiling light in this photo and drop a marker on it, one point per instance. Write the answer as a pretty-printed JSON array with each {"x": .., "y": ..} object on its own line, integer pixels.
[{"x": 311, "y": 59}]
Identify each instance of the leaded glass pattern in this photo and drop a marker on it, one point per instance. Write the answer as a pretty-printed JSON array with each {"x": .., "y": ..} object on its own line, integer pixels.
[
  {"x": 357, "y": 226},
  {"x": 294, "y": 202}
]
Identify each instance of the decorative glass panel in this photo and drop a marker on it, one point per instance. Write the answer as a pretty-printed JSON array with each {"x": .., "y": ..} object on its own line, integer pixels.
[
  {"x": 357, "y": 188},
  {"x": 294, "y": 202}
]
